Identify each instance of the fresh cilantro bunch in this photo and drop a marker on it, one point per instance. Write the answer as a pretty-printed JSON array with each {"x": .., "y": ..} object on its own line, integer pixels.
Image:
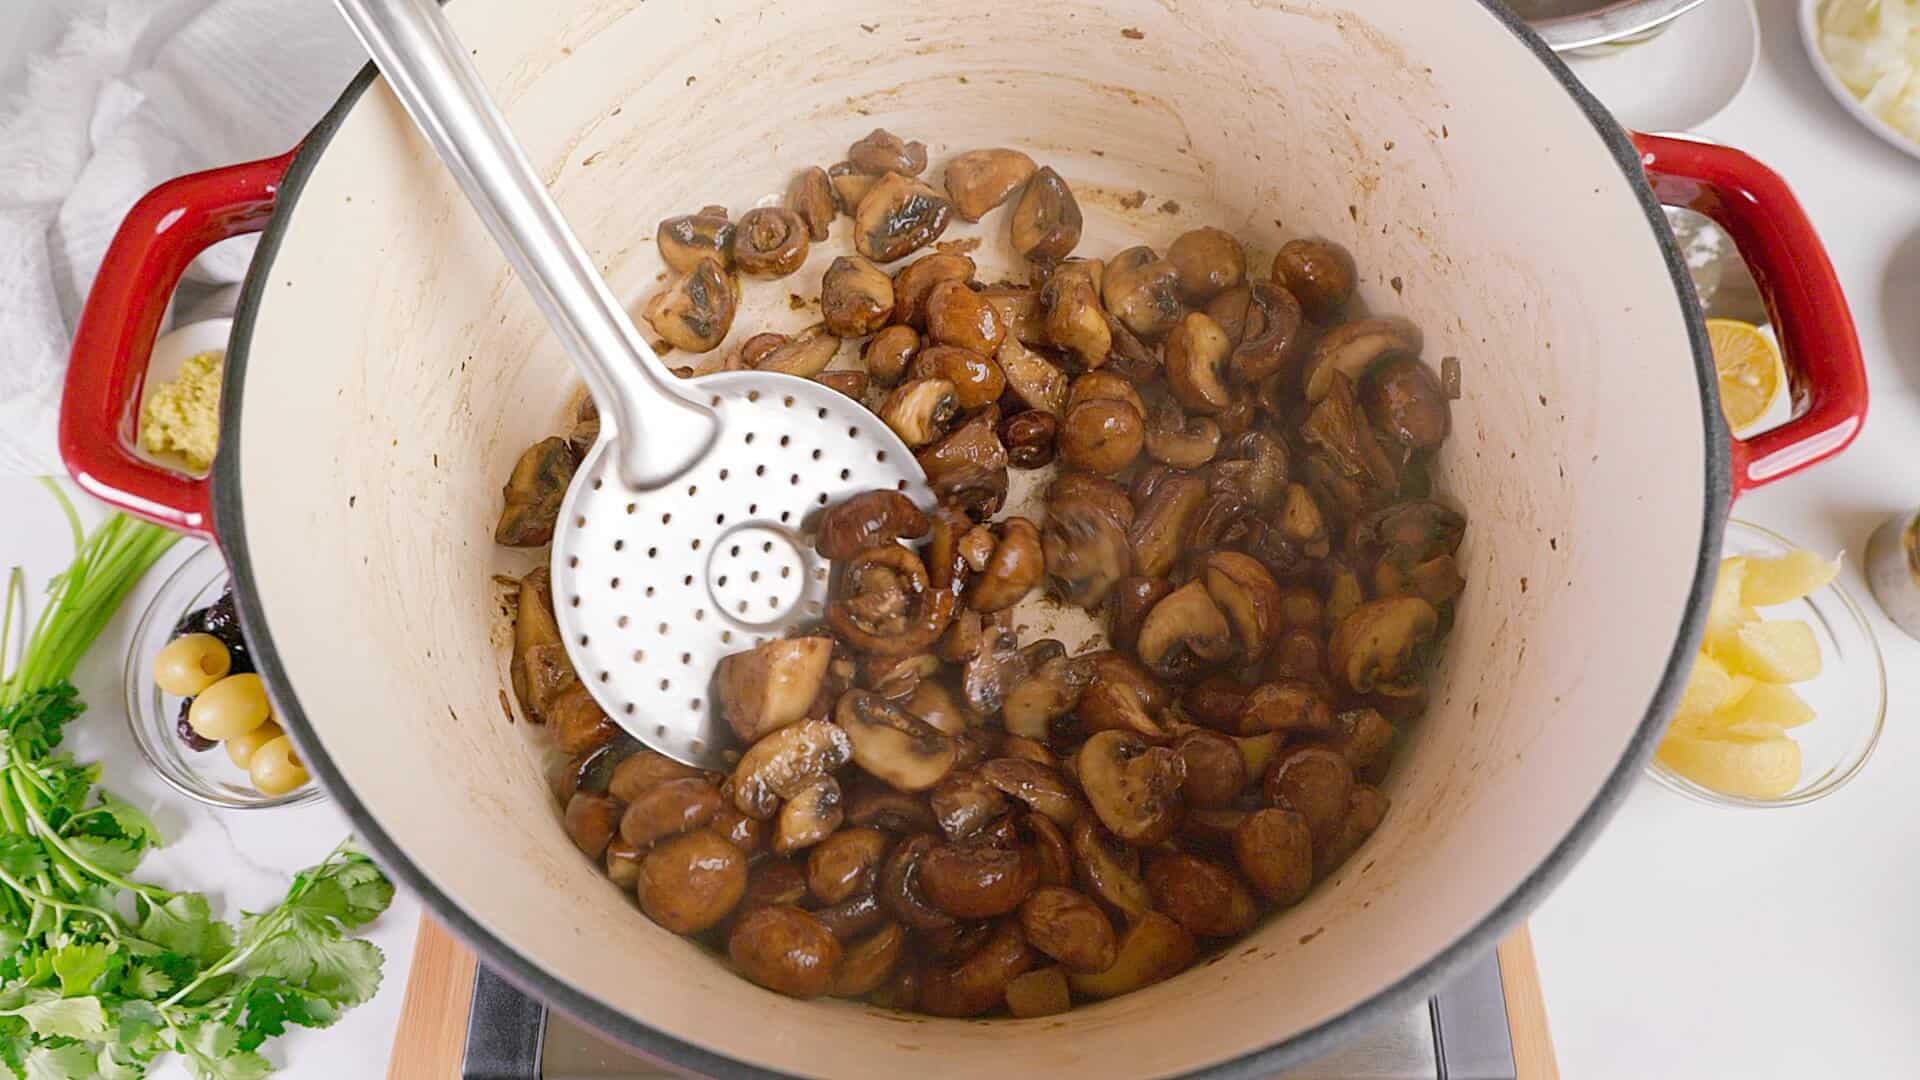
[{"x": 99, "y": 973}]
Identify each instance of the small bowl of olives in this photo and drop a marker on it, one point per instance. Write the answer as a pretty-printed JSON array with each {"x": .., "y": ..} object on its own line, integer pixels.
[{"x": 198, "y": 710}]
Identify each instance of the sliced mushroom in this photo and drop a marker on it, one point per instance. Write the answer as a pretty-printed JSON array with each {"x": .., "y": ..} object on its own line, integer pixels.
[
  {"x": 1302, "y": 523},
  {"x": 622, "y": 862},
  {"x": 1202, "y": 896},
  {"x": 1256, "y": 469},
  {"x": 1134, "y": 787},
  {"x": 1049, "y": 690},
  {"x": 533, "y": 493},
  {"x": 1183, "y": 632},
  {"x": 1105, "y": 494},
  {"x": 811, "y": 196},
  {"x": 1210, "y": 830},
  {"x": 1260, "y": 751},
  {"x": 669, "y": 809},
  {"x": 781, "y": 764},
  {"x": 1297, "y": 654},
  {"x": 1363, "y": 737},
  {"x": 1207, "y": 262},
  {"x": 689, "y": 883},
  {"x": 968, "y": 468},
  {"x": 770, "y": 242},
  {"x": 899, "y": 888},
  {"x": 1165, "y": 521},
  {"x": 1153, "y": 949},
  {"x": 977, "y": 880},
  {"x": 805, "y": 355},
  {"x": 1403, "y": 398},
  {"x": 1382, "y": 646},
  {"x": 1101, "y": 436},
  {"x": 747, "y": 834},
  {"x": 1184, "y": 442},
  {"x": 772, "y": 685},
  {"x": 1109, "y": 707},
  {"x": 885, "y": 604},
  {"x": 1015, "y": 566},
  {"x": 978, "y": 983},
  {"x": 881, "y": 151},
  {"x": 1289, "y": 706},
  {"x": 963, "y": 804},
  {"x": 1019, "y": 308},
  {"x": 1141, "y": 289},
  {"x": 1366, "y": 808},
  {"x": 1270, "y": 338},
  {"x": 866, "y": 520},
  {"x": 888, "y": 353},
  {"x": 1437, "y": 581},
  {"x": 849, "y": 185},
  {"x": 913, "y": 283},
  {"x": 1035, "y": 381},
  {"x": 994, "y": 665},
  {"x": 976, "y": 378},
  {"x": 1133, "y": 597},
  {"x": 1216, "y": 773},
  {"x": 592, "y": 771},
  {"x": 1070, "y": 928},
  {"x": 1345, "y": 594},
  {"x": 785, "y": 950},
  {"x": 1031, "y": 438},
  {"x": 844, "y": 865},
  {"x": 1214, "y": 701},
  {"x": 850, "y": 919},
  {"x": 1274, "y": 849},
  {"x": 1320, "y": 273},
  {"x": 539, "y": 669},
  {"x": 1042, "y": 992},
  {"x": 1072, "y": 317},
  {"x": 856, "y": 297},
  {"x": 1249, "y": 597},
  {"x": 892, "y": 745},
  {"x": 1196, "y": 358},
  {"x": 1046, "y": 220},
  {"x": 1109, "y": 869},
  {"x": 1086, "y": 552},
  {"x": 1049, "y": 849},
  {"x": 1040, "y": 787},
  {"x": 959, "y": 316},
  {"x": 809, "y": 817},
  {"x": 644, "y": 769},
  {"x": 897, "y": 217},
  {"x": 1314, "y": 782},
  {"x": 980, "y": 180},
  {"x": 919, "y": 411},
  {"x": 851, "y": 383},
  {"x": 934, "y": 705},
  {"x": 1413, "y": 531},
  {"x": 589, "y": 821},
  {"x": 1126, "y": 673},
  {"x": 1352, "y": 349},
  {"x": 696, "y": 309},
  {"x": 1337, "y": 427},
  {"x": 577, "y": 722},
  {"x": 1229, "y": 309},
  {"x": 685, "y": 241},
  {"x": 872, "y": 803}
]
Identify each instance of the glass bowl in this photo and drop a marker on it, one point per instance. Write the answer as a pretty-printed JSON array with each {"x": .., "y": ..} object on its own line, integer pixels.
[
  {"x": 1848, "y": 697},
  {"x": 207, "y": 776}
]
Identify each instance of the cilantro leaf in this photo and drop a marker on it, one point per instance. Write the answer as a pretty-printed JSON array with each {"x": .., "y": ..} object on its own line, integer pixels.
[
  {"x": 143, "y": 980},
  {"x": 307, "y": 951},
  {"x": 352, "y": 890},
  {"x": 21, "y": 857},
  {"x": 71, "y": 1062},
  {"x": 118, "y": 855},
  {"x": 213, "y": 1053},
  {"x": 79, "y": 965},
  {"x": 184, "y": 925},
  {"x": 133, "y": 822},
  {"x": 265, "y": 1006},
  {"x": 72, "y": 1018}
]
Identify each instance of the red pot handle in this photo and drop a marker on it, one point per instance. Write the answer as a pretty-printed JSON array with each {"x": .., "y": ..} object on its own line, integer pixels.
[
  {"x": 1802, "y": 293},
  {"x": 99, "y": 406}
]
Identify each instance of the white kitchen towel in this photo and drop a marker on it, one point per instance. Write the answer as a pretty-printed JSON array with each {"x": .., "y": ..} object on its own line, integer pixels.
[{"x": 135, "y": 92}]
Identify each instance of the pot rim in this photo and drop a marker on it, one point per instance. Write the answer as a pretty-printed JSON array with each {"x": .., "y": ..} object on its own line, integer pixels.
[{"x": 230, "y": 525}]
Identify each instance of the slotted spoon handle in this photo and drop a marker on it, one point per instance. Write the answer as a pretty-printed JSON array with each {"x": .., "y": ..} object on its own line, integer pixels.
[{"x": 659, "y": 427}]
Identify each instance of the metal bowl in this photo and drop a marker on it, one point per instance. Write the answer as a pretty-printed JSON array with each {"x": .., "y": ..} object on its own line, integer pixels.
[{"x": 1568, "y": 25}]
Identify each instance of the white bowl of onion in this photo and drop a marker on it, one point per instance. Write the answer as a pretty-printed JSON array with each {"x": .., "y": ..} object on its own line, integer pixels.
[{"x": 1867, "y": 52}]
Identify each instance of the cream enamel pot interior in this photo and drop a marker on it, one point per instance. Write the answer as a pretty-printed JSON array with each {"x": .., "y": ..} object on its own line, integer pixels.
[{"x": 385, "y": 372}]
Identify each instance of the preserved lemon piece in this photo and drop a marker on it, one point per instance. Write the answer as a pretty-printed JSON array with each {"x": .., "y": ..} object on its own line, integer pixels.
[
  {"x": 1767, "y": 706},
  {"x": 1769, "y": 581},
  {"x": 1727, "y": 614},
  {"x": 1763, "y": 768},
  {"x": 1710, "y": 687},
  {"x": 1781, "y": 651}
]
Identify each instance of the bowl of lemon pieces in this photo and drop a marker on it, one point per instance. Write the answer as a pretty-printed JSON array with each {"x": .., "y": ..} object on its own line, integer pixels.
[{"x": 1788, "y": 693}]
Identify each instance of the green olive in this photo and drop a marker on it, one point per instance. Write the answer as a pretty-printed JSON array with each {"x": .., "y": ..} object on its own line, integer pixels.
[
  {"x": 233, "y": 706},
  {"x": 275, "y": 768},
  {"x": 190, "y": 663},
  {"x": 241, "y": 748}
]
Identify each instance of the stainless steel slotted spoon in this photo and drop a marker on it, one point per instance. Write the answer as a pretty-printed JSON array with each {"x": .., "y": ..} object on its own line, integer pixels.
[{"x": 681, "y": 538}]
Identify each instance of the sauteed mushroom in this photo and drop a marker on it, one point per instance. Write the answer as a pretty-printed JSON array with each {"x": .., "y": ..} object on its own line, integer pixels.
[
  {"x": 1109, "y": 869},
  {"x": 1133, "y": 787},
  {"x": 1184, "y": 631},
  {"x": 1366, "y": 808},
  {"x": 1072, "y": 317},
  {"x": 811, "y": 196},
  {"x": 696, "y": 310},
  {"x": 1019, "y": 308},
  {"x": 1133, "y": 597},
  {"x": 1184, "y": 442},
  {"x": 1165, "y": 518},
  {"x": 772, "y": 685},
  {"x": 973, "y": 880},
  {"x": 980, "y": 180},
  {"x": 1046, "y": 221},
  {"x": 1352, "y": 349},
  {"x": 1196, "y": 358},
  {"x": 1362, "y": 736},
  {"x": 956, "y": 315},
  {"x": 849, "y": 185},
  {"x": 851, "y": 383},
  {"x": 978, "y": 983},
  {"x": 899, "y": 889},
  {"x": 968, "y": 468},
  {"x": 1106, "y": 707},
  {"x": 844, "y": 865},
  {"x": 589, "y": 821},
  {"x": 577, "y": 722},
  {"x": 1302, "y": 523},
  {"x": 770, "y": 242},
  {"x": 897, "y": 217},
  {"x": 1086, "y": 552},
  {"x": 1215, "y": 772},
  {"x": 805, "y": 354},
  {"x": 1142, "y": 290},
  {"x": 875, "y": 804},
  {"x": 1274, "y": 849},
  {"x": 1015, "y": 566},
  {"x": 919, "y": 411},
  {"x": 1285, "y": 705},
  {"x": 850, "y": 919},
  {"x": 977, "y": 380},
  {"x": 992, "y": 666},
  {"x": 1069, "y": 928},
  {"x": 642, "y": 770},
  {"x": 1207, "y": 262},
  {"x": 1319, "y": 273},
  {"x": 963, "y": 804},
  {"x": 691, "y": 882},
  {"x": 1153, "y": 949},
  {"x": 934, "y": 705},
  {"x": 809, "y": 817},
  {"x": 867, "y": 520},
  {"x": 785, "y": 950},
  {"x": 886, "y": 604},
  {"x": 781, "y": 764},
  {"x": 1246, "y": 593},
  {"x": 1203, "y": 897},
  {"x": 1381, "y": 646},
  {"x": 1106, "y": 495},
  {"x": 881, "y": 151},
  {"x": 868, "y": 963},
  {"x": 1031, "y": 378},
  {"x": 1229, "y": 309},
  {"x": 916, "y": 281},
  {"x": 856, "y": 297},
  {"x": 685, "y": 241},
  {"x": 539, "y": 669},
  {"x": 1270, "y": 338},
  {"x": 888, "y": 743},
  {"x": 1031, "y": 438},
  {"x": 1042, "y": 992},
  {"x": 533, "y": 493},
  {"x": 889, "y": 352},
  {"x": 1314, "y": 782},
  {"x": 669, "y": 809},
  {"x": 1337, "y": 428},
  {"x": 1403, "y": 398},
  {"x": 1048, "y": 691},
  {"x": 1039, "y": 786},
  {"x": 1101, "y": 436}
]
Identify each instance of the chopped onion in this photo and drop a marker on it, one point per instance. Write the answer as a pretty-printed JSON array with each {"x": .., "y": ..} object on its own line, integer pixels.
[{"x": 1873, "y": 47}]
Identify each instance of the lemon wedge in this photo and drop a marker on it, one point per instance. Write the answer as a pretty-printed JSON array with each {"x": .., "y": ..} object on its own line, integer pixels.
[{"x": 1751, "y": 375}]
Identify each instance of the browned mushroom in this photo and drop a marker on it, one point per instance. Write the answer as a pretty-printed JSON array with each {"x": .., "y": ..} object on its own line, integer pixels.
[
  {"x": 897, "y": 217},
  {"x": 890, "y": 744},
  {"x": 1207, "y": 262},
  {"x": 980, "y": 180},
  {"x": 977, "y": 880},
  {"x": 1040, "y": 787},
  {"x": 872, "y": 803},
  {"x": 685, "y": 241},
  {"x": 747, "y": 834},
  {"x": 1133, "y": 787},
  {"x": 1101, "y": 436},
  {"x": 899, "y": 885},
  {"x": 1153, "y": 949},
  {"x": 1414, "y": 531},
  {"x": 622, "y": 861},
  {"x": 1362, "y": 736},
  {"x": 1215, "y": 700},
  {"x": 1382, "y": 646},
  {"x": 1320, "y": 273},
  {"x": 1133, "y": 597},
  {"x": 1086, "y": 551},
  {"x": 1184, "y": 442},
  {"x": 1071, "y": 315},
  {"x": 811, "y": 196},
  {"x": 977, "y": 983},
  {"x": 1352, "y": 349},
  {"x": 1126, "y": 673},
  {"x": 1109, "y": 869},
  {"x": 976, "y": 378},
  {"x": 533, "y": 493},
  {"x": 919, "y": 411},
  {"x": 968, "y": 468},
  {"x": 1048, "y": 691},
  {"x": 934, "y": 705},
  {"x": 1274, "y": 849},
  {"x": 851, "y": 383},
  {"x": 993, "y": 665},
  {"x": 771, "y": 685},
  {"x": 849, "y": 185},
  {"x": 1216, "y": 774},
  {"x": 957, "y": 315},
  {"x": 1254, "y": 467},
  {"x": 810, "y": 816},
  {"x": 1249, "y": 597},
  {"x": 1437, "y": 581},
  {"x": 1105, "y": 494},
  {"x": 696, "y": 309},
  {"x": 770, "y": 242},
  {"x": 589, "y": 821},
  {"x": 1338, "y": 429},
  {"x": 887, "y": 605},
  {"x": 805, "y": 354},
  {"x": 1345, "y": 594},
  {"x": 785, "y": 950},
  {"x": 1403, "y": 398},
  {"x": 1202, "y": 896},
  {"x": 856, "y": 297},
  {"x": 1109, "y": 707},
  {"x": 850, "y": 919},
  {"x": 591, "y": 772},
  {"x": 782, "y": 763},
  {"x": 1015, "y": 566},
  {"x": 1298, "y": 652},
  {"x": 644, "y": 769},
  {"x": 867, "y": 520},
  {"x": 1031, "y": 378},
  {"x": 1290, "y": 706},
  {"x": 1165, "y": 520},
  {"x": 577, "y": 722},
  {"x": 1270, "y": 339},
  {"x": 1314, "y": 782},
  {"x": 1196, "y": 357},
  {"x": 881, "y": 151},
  {"x": 1184, "y": 632},
  {"x": 1141, "y": 289},
  {"x": 1046, "y": 220},
  {"x": 1041, "y": 992},
  {"x": 1229, "y": 309},
  {"x": 889, "y": 352},
  {"x": 669, "y": 809},
  {"x": 539, "y": 669},
  {"x": 963, "y": 804},
  {"x": 689, "y": 883},
  {"x": 1019, "y": 308},
  {"x": 913, "y": 283},
  {"x": 1366, "y": 808},
  {"x": 1070, "y": 928},
  {"x": 1030, "y": 438}
]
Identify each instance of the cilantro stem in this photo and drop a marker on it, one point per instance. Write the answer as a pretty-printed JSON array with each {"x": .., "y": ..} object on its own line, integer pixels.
[
  {"x": 111, "y": 920},
  {"x": 52, "y": 836}
]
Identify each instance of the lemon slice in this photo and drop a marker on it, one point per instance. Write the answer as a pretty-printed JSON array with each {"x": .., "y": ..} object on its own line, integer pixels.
[{"x": 1749, "y": 369}]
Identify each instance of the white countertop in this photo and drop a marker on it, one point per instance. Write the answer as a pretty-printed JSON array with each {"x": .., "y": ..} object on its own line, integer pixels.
[{"x": 1690, "y": 942}]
